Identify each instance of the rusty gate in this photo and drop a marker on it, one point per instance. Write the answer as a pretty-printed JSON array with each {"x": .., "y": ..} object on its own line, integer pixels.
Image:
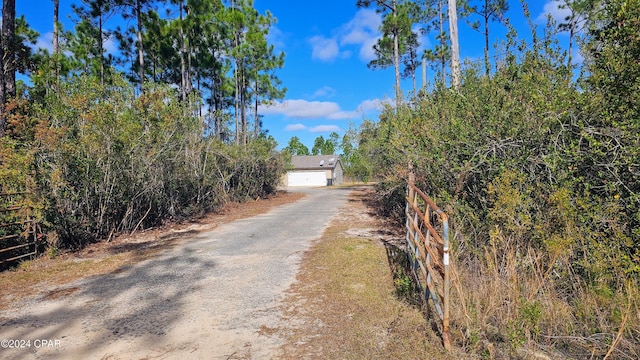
[
  {"x": 18, "y": 229},
  {"x": 427, "y": 239}
]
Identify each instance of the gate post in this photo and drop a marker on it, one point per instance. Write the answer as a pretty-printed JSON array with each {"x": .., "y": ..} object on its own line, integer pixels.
[{"x": 445, "y": 260}]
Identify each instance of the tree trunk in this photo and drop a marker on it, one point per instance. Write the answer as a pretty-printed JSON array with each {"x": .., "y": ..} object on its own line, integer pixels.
[
  {"x": 56, "y": 34},
  {"x": 455, "y": 49},
  {"x": 183, "y": 71},
  {"x": 413, "y": 72},
  {"x": 199, "y": 88},
  {"x": 237, "y": 103},
  {"x": 9, "y": 59},
  {"x": 101, "y": 49},
  {"x": 443, "y": 58},
  {"x": 3, "y": 122},
  {"x": 424, "y": 75},
  {"x": 140, "y": 45},
  {"x": 243, "y": 102},
  {"x": 256, "y": 121},
  {"x": 215, "y": 97},
  {"x": 486, "y": 38},
  {"x": 188, "y": 76},
  {"x": 396, "y": 53},
  {"x": 235, "y": 78},
  {"x": 572, "y": 29},
  {"x": 8, "y": 71}
]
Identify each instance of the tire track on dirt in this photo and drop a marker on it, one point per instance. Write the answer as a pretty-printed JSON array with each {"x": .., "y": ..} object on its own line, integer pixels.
[{"x": 213, "y": 296}]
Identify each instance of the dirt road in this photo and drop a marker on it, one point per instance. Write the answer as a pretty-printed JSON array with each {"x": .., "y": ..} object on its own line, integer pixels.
[{"x": 216, "y": 295}]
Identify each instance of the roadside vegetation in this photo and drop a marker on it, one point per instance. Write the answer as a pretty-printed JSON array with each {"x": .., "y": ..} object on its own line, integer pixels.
[
  {"x": 98, "y": 161},
  {"x": 537, "y": 165},
  {"x": 98, "y": 144}
]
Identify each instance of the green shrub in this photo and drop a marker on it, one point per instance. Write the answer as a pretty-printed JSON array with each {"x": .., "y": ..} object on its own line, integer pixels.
[
  {"x": 102, "y": 161},
  {"x": 539, "y": 178}
]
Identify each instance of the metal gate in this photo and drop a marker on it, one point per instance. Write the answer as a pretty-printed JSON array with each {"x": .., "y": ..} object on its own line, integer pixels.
[
  {"x": 18, "y": 229},
  {"x": 428, "y": 246}
]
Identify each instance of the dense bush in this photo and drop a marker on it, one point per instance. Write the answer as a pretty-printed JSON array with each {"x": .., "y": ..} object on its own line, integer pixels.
[
  {"x": 539, "y": 175},
  {"x": 101, "y": 160}
]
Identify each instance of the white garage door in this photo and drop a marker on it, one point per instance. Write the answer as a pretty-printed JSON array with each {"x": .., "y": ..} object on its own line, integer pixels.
[{"x": 307, "y": 178}]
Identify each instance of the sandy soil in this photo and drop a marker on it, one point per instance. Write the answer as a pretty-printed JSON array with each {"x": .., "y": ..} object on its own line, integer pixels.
[{"x": 213, "y": 295}]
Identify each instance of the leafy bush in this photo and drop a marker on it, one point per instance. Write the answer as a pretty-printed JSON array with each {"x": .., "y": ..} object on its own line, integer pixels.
[
  {"x": 539, "y": 176},
  {"x": 102, "y": 161}
]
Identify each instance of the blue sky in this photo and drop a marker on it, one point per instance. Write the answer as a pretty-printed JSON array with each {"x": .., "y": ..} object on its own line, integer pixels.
[{"x": 327, "y": 45}]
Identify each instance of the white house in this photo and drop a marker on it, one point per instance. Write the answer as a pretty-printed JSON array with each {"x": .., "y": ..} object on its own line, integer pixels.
[{"x": 320, "y": 170}]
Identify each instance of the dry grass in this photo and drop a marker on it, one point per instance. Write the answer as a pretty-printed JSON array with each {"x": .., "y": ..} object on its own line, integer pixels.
[
  {"x": 515, "y": 312},
  {"x": 344, "y": 304},
  {"x": 45, "y": 275}
]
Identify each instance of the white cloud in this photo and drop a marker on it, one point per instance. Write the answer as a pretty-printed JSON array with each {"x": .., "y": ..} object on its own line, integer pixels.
[
  {"x": 361, "y": 28},
  {"x": 356, "y": 36},
  {"x": 359, "y": 35},
  {"x": 302, "y": 109},
  {"x": 360, "y": 32},
  {"x": 423, "y": 38},
  {"x": 578, "y": 57},
  {"x": 363, "y": 32},
  {"x": 343, "y": 115},
  {"x": 295, "y": 127},
  {"x": 552, "y": 8},
  {"x": 324, "y": 92},
  {"x": 110, "y": 46},
  {"x": 276, "y": 37},
  {"x": 373, "y": 104},
  {"x": 367, "y": 53},
  {"x": 44, "y": 41},
  {"x": 324, "y": 49},
  {"x": 325, "y": 128}
]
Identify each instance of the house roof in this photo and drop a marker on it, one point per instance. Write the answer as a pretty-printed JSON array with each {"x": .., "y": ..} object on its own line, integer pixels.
[{"x": 317, "y": 162}]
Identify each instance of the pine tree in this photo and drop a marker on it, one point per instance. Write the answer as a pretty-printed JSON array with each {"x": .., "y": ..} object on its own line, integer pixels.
[
  {"x": 389, "y": 7},
  {"x": 7, "y": 59},
  {"x": 435, "y": 17},
  {"x": 296, "y": 148},
  {"x": 400, "y": 26},
  {"x": 56, "y": 37},
  {"x": 96, "y": 13},
  {"x": 134, "y": 9},
  {"x": 489, "y": 10}
]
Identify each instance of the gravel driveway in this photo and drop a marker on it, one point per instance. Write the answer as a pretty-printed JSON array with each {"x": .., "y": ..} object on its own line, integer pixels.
[{"x": 214, "y": 296}]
